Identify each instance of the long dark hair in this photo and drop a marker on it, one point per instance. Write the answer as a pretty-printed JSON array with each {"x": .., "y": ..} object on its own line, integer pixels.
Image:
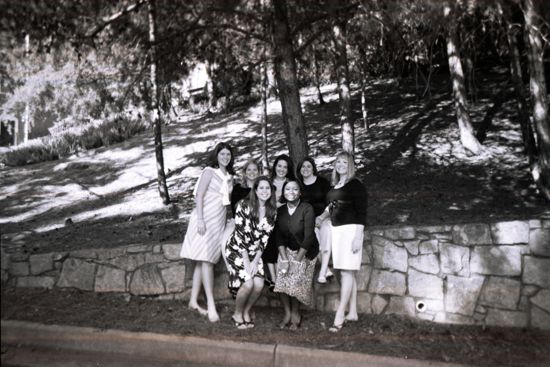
[
  {"x": 214, "y": 157},
  {"x": 254, "y": 204},
  {"x": 290, "y": 166},
  {"x": 299, "y": 168}
]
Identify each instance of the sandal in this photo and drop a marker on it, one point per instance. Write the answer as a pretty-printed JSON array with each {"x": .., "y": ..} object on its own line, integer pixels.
[
  {"x": 321, "y": 280},
  {"x": 296, "y": 325},
  {"x": 249, "y": 324},
  {"x": 241, "y": 325},
  {"x": 336, "y": 328}
]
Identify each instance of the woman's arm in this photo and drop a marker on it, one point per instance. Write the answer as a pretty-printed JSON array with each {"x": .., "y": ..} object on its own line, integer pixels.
[{"x": 202, "y": 186}]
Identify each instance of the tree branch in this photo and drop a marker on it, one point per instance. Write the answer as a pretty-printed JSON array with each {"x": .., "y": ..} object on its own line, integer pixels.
[{"x": 105, "y": 21}]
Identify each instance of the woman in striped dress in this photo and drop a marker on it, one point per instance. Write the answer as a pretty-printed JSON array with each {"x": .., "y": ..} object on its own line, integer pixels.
[{"x": 202, "y": 242}]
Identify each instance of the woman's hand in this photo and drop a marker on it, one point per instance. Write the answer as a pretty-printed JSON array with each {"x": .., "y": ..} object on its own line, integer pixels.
[
  {"x": 201, "y": 227},
  {"x": 283, "y": 267},
  {"x": 252, "y": 269}
]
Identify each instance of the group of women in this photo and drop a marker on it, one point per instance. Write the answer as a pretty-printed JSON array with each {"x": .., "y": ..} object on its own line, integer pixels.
[{"x": 285, "y": 222}]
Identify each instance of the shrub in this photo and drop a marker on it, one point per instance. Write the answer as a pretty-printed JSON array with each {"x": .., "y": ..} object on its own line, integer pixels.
[{"x": 70, "y": 140}]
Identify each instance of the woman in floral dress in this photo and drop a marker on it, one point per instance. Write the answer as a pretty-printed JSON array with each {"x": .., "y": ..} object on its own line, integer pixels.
[{"x": 254, "y": 222}]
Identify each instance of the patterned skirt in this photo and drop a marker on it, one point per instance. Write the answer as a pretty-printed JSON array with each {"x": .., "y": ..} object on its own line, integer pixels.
[{"x": 297, "y": 281}]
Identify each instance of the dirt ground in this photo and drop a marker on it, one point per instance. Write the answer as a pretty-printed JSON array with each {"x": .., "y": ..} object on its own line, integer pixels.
[{"x": 383, "y": 335}]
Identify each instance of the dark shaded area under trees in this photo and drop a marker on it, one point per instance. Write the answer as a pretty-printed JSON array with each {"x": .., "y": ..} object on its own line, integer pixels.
[{"x": 122, "y": 61}]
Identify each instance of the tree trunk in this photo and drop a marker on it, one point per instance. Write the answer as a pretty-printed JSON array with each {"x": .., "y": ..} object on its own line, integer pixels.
[
  {"x": 27, "y": 113},
  {"x": 364, "y": 110},
  {"x": 467, "y": 137},
  {"x": 317, "y": 74},
  {"x": 289, "y": 92},
  {"x": 210, "y": 87},
  {"x": 265, "y": 84},
  {"x": 537, "y": 84},
  {"x": 342, "y": 72},
  {"x": 527, "y": 133},
  {"x": 161, "y": 177}
]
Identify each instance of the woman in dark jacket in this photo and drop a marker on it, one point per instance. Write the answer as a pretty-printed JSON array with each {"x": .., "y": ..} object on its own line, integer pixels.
[{"x": 298, "y": 249}]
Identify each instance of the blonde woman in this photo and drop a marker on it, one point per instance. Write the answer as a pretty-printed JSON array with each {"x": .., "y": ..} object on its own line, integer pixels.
[{"x": 347, "y": 210}]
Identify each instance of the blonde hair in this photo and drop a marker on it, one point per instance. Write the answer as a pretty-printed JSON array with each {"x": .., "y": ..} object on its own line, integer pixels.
[
  {"x": 351, "y": 168},
  {"x": 249, "y": 162}
]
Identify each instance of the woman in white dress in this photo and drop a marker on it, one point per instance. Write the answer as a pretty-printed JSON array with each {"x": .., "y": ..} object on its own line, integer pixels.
[{"x": 202, "y": 242}]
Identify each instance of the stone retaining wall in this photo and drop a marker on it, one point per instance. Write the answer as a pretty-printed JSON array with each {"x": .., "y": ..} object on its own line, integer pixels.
[{"x": 491, "y": 274}]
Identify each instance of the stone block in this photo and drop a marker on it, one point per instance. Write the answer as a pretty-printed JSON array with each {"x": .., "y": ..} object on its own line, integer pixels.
[
  {"x": 496, "y": 260},
  {"x": 412, "y": 246},
  {"x": 36, "y": 282},
  {"x": 78, "y": 274},
  {"x": 128, "y": 262},
  {"x": 363, "y": 277},
  {"x": 146, "y": 280},
  {"x": 542, "y": 299},
  {"x": 110, "y": 279},
  {"x": 157, "y": 249},
  {"x": 381, "y": 242},
  {"x": 452, "y": 318},
  {"x": 428, "y": 247},
  {"x": 110, "y": 253},
  {"x": 19, "y": 256},
  {"x": 529, "y": 290},
  {"x": 41, "y": 263},
  {"x": 378, "y": 303},
  {"x": 364, "y": 302},
  {"x": 135, "y": 249},
  {"x": 431, "y": 305},
  {"x": 60, "y": 256},
  {"x": 425, "y": 316},
  {"x": 535, "y": 223},
  {"x": 524, "y": 303},
  {"x": 443, "y": 236},
  {"x": 455, "y": 259},
  {"x": 401, "y": 306},
  {"x": 174, "y": 278},
  {"x": 331, "y": 302},
  {"x": 536, "y": 271},
  {"x": 501, "y": 293},
  {"x": 425, "y": 263},
  {"x": 171, "y": 252},
  {"x": 83, "y": 254},
  {"x": 400, "y": 233},
  {"x": 480, "y": 309},
  {"x": 472, "y": 234},
  {"x": 539, "y": 241},
  {"x": 19, "y": 269},
  {"x": 425, "y": 285},
  {"x": 462, "y": 294},
  {"x": 390, "y": 257},
  {"x": 510, "y": 233},
  {"x": 385, "y": 282},
  {"x": 154, "y": 258},
  {"x": 434, "y": 229},
  {"x": 506, "y": 318},
  {"x": 540, "y": 319}
]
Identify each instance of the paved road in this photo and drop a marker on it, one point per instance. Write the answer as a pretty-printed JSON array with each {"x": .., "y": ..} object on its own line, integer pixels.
[{"x": 32, "y": 356}]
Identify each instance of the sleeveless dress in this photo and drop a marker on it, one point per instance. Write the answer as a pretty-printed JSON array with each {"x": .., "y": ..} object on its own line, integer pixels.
[
  {"x": 249, "y": 237},
  {"x": 208, "y": 246}
]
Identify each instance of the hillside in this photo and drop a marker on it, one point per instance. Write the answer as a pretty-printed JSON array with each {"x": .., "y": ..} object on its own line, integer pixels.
[{"x": 410, "y": 158}]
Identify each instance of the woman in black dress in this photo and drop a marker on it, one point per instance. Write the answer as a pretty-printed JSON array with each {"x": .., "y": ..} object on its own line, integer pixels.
[
  {"x": 348, "y": 212},
  {"x": 298, "y": 250},
  {"x": 254, "y": 222},
  {"x": 314, "y": 191},
  {"x": 281, "y": 172}
]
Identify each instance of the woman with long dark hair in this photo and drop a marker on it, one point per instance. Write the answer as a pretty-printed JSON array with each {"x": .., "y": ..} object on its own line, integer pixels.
[{"x": 254, "y": 222}]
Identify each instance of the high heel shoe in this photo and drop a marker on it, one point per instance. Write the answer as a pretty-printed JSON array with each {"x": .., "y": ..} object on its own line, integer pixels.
[{"x": 336, "y": 328}]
